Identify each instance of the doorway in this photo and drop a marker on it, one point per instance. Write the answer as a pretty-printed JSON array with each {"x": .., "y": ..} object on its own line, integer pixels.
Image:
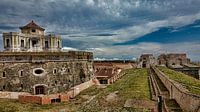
[
  {"x": 39, "y": 90},
  {"x": 34, "y": 43}
]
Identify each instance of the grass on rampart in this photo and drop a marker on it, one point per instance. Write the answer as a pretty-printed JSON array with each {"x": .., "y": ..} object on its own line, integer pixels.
[
  {"x": 133, "y": 85},
  {"x": 192, "y": 84}
]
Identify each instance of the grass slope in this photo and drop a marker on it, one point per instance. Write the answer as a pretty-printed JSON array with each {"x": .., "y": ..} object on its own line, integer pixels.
[{"x": 134, "y": 85}]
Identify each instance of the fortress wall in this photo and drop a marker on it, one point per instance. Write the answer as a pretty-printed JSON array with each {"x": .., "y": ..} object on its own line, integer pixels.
[
  {"x": 188, "y": 102},
  {"x": 56, "y": 76}
]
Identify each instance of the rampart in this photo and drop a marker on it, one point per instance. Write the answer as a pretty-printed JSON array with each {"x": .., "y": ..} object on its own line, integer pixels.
[{"x": 187, "y": 101}]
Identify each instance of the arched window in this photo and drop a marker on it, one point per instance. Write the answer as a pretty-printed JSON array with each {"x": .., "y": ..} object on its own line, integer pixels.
[
  {"x": 21, "y": 73},
  {"x": 39, "y": 89},
  {"x": 54, "y": 71}
]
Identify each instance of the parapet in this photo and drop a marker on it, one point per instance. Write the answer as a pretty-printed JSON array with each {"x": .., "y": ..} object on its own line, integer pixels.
[{"x": 45, "y": 56}]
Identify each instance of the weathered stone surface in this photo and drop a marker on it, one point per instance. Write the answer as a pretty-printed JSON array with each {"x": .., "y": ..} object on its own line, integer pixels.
[
  {"x": 146, "y": 60},
  {"x": 57, "y": 76}
]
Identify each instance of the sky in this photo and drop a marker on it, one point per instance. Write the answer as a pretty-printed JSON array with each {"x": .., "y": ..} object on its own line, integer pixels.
[{"x": 112, "y": 29}]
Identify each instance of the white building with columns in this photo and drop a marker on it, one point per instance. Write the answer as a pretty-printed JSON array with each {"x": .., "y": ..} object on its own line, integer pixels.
[{"x": 31, "y": 39}]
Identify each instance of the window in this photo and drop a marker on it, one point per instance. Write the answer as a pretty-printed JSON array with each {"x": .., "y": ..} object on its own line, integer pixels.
[
  {"x": 56, "y": 82},
  {"x": 33, "y": 30},
  {"x": 46, "y": 44},
  {"x": 7, "y": 42},
  {"x": 54, "y": 71},
  {"x": 39, "y": 90},
  {"x": 22, "y": 43},
  {"x": 58, "y": 44},
  {"x": 22, "y": 86},
  {"x": 4, "y": 87},
  {"x": 34, "y": 43},
  {"x": 4, "y": 74},
  {"x": 39, "y": 72},
  {"x": 21, "y": 73}
]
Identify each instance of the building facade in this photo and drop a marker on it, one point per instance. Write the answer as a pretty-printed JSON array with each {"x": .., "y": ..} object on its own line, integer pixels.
[
  {"x": 34, "y": 63},
  {"x": 31, "y": 38},
  {"x": 146, "y": 60},
  {"x": 173, "y": 59}
]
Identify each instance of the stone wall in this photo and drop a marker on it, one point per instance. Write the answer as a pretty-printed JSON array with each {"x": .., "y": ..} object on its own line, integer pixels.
[
  {"x": 44, "y": 56},
  {"x": 146, "y": 60},
  {"x": 59, "y": 97},
  {"x": 77, "y": 89},
  {"x": 11, "y": 95},
  {"x": 173, "y": 59},
  {"x": 55, "y": 77},
  {"x": 187, "y": 101}
]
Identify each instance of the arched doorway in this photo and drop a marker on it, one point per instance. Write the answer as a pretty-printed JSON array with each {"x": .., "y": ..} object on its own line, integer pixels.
[{"x": 39, "y": 89}]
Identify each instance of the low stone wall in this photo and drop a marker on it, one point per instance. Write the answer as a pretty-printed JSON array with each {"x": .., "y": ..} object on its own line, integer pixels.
[
  {"x": 77, "y": 89},
  {"x": 11, "y": 95},
  {"x": 187, "y": 101}
]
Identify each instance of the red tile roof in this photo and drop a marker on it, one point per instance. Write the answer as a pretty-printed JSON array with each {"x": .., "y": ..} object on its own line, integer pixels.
[
  {"x": 105, "y": 73},
  {"x": 32, "y": 24}
]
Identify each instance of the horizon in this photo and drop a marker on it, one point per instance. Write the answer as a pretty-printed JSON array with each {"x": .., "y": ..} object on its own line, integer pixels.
[{"x": 112, "y": 29}]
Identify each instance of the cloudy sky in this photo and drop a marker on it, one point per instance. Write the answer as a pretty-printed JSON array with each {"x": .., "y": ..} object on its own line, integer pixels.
[{"x": 112, "y": 28}]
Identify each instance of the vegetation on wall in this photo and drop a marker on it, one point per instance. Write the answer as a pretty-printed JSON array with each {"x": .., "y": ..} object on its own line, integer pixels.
[{"x": 192, "y": 84}]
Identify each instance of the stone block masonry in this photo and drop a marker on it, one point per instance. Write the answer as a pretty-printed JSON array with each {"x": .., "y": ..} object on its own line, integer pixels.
[
  {"x": 59, "y": 97},
  {"x": 44, "y": 78},
  {"x": 12, "y": 95},
  {"x": 34, "y": 63},
  {"x": 187, "y": 101}
]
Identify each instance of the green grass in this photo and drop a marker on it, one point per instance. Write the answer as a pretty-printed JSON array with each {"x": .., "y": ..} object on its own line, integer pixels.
[
  {"x": 7, "y": 105},
  {"x": 192, "y": 84},
  {"x": 133, "y": 85}
]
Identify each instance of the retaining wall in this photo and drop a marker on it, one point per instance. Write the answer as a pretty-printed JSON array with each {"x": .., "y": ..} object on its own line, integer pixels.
[
  {"x": 11, "y": 95},
  {"x": 24, "y": 97},
  {"x": 77, "y": 89},
  {"x": 187, "y": 101}
]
